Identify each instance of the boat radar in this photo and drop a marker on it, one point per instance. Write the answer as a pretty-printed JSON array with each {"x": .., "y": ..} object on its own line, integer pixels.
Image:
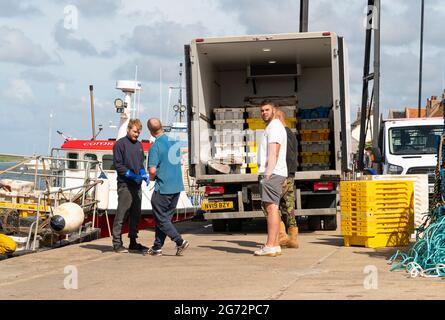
[{"x": 128, "y": 87}]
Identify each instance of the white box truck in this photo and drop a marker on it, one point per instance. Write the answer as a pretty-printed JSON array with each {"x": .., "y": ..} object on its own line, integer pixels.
[{"x": 225, "y": 72}]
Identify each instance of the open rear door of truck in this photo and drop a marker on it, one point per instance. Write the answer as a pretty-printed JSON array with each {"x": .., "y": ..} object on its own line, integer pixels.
[{"x": 346, "y": 161}]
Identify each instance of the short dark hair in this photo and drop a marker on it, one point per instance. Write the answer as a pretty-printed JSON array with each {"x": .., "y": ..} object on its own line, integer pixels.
[{"x": 269, "y": 102}]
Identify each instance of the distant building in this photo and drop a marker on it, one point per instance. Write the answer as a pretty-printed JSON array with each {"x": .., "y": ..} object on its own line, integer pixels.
[
  {"x": 434, "y": 106},
  {"x": 409, "y": 112},
  {"x": 355, "y": 131}
]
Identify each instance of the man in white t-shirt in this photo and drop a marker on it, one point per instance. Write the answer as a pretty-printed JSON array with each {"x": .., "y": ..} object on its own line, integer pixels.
[{"x": 272, "y": 174}]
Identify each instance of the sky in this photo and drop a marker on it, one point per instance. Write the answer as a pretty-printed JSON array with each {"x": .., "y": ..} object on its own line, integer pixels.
[{"x": 52, "y": 50}]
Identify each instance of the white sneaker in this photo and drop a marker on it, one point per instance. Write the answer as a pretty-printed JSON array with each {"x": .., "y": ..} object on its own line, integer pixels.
[
  {"x": 266, "y": 251},
  {"x": 278, "y": 250}
]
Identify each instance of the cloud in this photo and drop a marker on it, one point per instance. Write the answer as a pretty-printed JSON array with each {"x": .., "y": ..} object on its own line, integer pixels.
[
  {"x": 264, "y": 16},
  {"x": 19, "y": 91},
  {"x": 66, "y": 40},
  {"x": 38, "y": 75},
  {"x": 165, "y": 38},
  {"x": 97, "y": 8},
  {"x": 9, "y": 9},
  {"x": 149, "y": 69},
  {"x": 16, "y": 47}
]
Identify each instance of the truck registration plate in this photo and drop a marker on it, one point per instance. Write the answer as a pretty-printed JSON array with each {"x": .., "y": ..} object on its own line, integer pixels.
[{"x": 217, "y": 205}]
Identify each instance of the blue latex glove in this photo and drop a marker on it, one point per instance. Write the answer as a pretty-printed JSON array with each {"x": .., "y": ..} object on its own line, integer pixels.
[
  {"x": 144, "y": 176},
  {"x": 132, "y": 176}
]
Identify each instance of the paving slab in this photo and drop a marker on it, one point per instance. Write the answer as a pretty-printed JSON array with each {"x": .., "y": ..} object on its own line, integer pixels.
[{"x": 216, "y": 266}]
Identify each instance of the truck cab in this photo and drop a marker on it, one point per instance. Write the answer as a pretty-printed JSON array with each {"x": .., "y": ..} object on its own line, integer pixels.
[{"x": 410, "y": 146}]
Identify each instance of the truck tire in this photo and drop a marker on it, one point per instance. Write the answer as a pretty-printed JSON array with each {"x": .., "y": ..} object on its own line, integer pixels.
[
  {"x": 314, "y": 223},
  {"x": 330, "y": 222},
  {"x": 219, "y": 225},
  {"x": 234, "y": 225}
]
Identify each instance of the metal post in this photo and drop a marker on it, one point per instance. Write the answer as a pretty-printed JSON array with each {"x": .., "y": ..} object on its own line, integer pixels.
[
  {"x": 92, "y": 113},
  {"x": 376, "y": 96},
  {"x": 419, "y": 103},
  {"x": 366, "y": 78},
  {"x": 50, "y": 132},
  {"x": 180, "y": 93},
  {"x": 304, "y": 15}
]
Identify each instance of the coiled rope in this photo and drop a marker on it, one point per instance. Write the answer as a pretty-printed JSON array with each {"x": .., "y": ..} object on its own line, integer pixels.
[{"x": 426, "y": 258}]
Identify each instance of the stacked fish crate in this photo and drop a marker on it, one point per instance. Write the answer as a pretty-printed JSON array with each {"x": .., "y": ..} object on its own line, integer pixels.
[
  {"x": 314, "y": 139},
  {"x": 377, "y": 213},
  {"x": 229, "y": 138},
  {"x": 256, "y": 128}
]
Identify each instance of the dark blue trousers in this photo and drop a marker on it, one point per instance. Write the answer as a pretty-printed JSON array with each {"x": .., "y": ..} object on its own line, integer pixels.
[{"x": 164, "y": 206}]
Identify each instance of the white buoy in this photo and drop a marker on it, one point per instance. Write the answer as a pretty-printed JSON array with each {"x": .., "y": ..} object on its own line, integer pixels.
[
  {"x": 102, "y": 194},
  {"x": 67, "y": 218}
]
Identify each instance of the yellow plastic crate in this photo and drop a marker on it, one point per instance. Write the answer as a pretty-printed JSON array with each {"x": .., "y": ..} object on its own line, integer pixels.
[
  {"x": 393, "y": 239},
  {"x": 253, "y": 167},
  {"x": 256, "y": 123},
  {"x": 315, "y": 157},
  {"x": 376, "y": 214},
  {"x": 252, "y": 148},
  {"x": 314, "y": 135},
  {"x": 291, "y": 123}
]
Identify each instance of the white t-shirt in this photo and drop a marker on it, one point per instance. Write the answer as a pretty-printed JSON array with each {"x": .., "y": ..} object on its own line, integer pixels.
[{"x": 274, "y": 133}]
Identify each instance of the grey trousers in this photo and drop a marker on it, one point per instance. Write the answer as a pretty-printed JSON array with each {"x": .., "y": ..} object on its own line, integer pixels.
[{"x": 128, "y": 206}]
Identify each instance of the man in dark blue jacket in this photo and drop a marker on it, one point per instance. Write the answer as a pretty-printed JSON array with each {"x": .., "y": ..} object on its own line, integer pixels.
[{"x": 128, "y": 160}]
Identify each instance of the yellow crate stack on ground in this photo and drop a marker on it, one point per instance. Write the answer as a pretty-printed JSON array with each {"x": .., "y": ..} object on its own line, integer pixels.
[{"x": 377, "y": 213}]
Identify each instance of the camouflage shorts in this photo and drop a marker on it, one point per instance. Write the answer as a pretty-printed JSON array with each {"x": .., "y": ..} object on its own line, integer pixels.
[{"x": 287, "y": 203}]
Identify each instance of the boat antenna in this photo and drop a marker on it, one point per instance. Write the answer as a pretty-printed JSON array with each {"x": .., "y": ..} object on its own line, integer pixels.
[
  {"x": 179, "y": 108},
  {"x": 135, "y": 108}
]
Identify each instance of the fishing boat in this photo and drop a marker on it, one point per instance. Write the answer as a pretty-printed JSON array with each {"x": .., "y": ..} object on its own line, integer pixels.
[{"x": 86, "y": 166}]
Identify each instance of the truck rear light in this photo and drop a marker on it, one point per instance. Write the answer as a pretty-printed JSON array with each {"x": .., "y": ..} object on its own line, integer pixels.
[
  {"x": 323, "y": 186},
  {"x": 199, "y": 40},
  {"x": 214, "y": 190},
  {"x": 326, "y": 34}
]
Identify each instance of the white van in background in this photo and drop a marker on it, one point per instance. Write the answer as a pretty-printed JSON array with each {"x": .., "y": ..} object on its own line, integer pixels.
[{"x": 409, "y": 146}]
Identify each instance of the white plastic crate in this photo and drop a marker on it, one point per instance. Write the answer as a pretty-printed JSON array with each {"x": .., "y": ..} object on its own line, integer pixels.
[
  {"x": 237, "y": 149},
  {"x": 229, "y": 136},
  {"x": 221, "y": 125},
  {"x": 253, "y": 112},
  {"x": 421, "y": 200},
  {"x": 254, "y": 135},
  {"x": 251, "y": 157},
  {"x": 229, "y": 159},
  {"x": 314, "y": 167},
  {"x": 312, "y": 124},
  {"x": 317, "y": 146},
  {"x": 21, "y": 242},
  {"x": 229, "y": 113},
  {"x": 289, "y": 111}
]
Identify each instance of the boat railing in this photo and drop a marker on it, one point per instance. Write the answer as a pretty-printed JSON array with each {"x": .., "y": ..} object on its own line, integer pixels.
[{"x": 50, "y": 189}]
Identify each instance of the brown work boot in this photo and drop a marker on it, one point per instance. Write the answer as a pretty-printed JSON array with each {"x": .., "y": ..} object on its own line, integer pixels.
[
  {"x": 283, "y": 239},
  {"x": 293, "y": 235}
]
